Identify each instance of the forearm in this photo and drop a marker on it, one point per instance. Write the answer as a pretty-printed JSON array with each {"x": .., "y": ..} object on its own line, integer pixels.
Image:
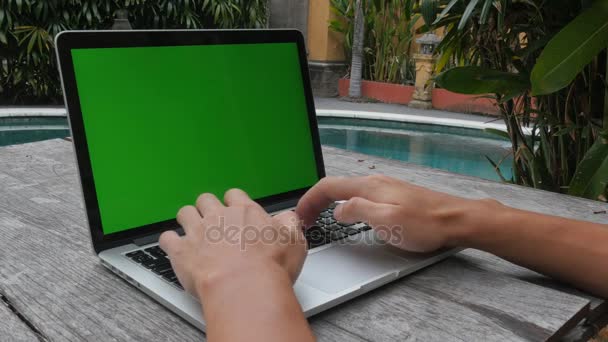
[
  {"x": 569, "y": 250},
  {"x": 253, "y": 304}
]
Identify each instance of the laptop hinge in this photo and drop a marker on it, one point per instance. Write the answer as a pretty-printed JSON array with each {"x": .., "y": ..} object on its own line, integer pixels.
[
  {"x": 281, "y": 206},
  {"x": 146, "y": 240}
]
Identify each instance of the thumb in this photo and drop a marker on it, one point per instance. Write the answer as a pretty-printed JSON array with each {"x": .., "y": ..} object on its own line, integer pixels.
[{"x": 359, "y": 209}]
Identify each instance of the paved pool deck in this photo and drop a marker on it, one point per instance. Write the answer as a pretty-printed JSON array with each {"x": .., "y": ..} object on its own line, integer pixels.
[{"x": 333, "y": 107}]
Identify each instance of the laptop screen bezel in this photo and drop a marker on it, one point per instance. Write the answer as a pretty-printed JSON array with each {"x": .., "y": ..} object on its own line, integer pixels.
[{"x": 67, "y": 41}]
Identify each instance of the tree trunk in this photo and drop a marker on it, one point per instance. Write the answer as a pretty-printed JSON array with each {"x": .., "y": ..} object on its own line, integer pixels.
[{"x": 356, "y": 69}]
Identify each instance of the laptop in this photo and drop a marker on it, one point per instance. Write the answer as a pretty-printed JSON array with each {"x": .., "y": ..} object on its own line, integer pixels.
[{"x": 159, "y": 117}]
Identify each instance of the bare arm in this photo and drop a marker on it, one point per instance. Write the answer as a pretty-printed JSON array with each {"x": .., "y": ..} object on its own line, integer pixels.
[
  {"x": 573, "y": 251},
  {"x": 243, "y": 281},
  {"x": 421, "y": 220},
  {"x": 253, "y": 303}
]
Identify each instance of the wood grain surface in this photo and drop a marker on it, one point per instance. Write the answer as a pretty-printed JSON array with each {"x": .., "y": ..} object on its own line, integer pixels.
[{"x": 53, "y": 279}]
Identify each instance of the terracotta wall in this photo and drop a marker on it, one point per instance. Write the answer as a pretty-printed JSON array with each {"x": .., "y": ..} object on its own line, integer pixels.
[
  {"x": 383, "y": 92},
  {"x": 442, "y": 99}
]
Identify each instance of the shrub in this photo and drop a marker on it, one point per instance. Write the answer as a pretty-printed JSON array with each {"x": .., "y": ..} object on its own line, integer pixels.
[
  {"x": 546, "y": 65},
  {"x": 389, "y": 33},
  {"x": 28, "y": 70}
]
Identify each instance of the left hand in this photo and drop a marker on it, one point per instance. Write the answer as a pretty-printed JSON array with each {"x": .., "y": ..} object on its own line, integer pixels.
[{"x": 223, "y": 240}]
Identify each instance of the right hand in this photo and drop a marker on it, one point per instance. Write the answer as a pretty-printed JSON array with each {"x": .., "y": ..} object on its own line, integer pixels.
[{"x": 417, "y": 219}]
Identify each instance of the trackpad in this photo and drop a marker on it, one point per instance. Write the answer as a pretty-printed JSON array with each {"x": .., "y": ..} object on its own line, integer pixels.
[{"x": 340, "y": 268}]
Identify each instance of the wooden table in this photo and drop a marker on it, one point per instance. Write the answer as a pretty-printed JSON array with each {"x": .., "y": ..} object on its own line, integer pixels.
[{"x": 55, "y": 289}]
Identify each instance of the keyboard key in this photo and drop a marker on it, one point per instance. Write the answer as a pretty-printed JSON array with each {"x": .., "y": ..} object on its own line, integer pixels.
[
  {"x": 334, "y": 227},
  {"x": 156, "y": 251},
  {"x": 134, "y": 254},
  {"x": 326, "y": 221},
  {"x": 167, "y": 272},
  {"x": 316, "y": 236},
  {"x": 154, "y": 263},
  {"x": 325, "y": 214},
  {"x": 335, "y": 236},
  {"x": 333, "y": 205},
  {"x": 351, "y": 231},
  {"x": 143, "y": 259},
  {"x": 160, "y": 269},
  {"x": 170, "y": 277},
  {"x": 365, "y": 228}
]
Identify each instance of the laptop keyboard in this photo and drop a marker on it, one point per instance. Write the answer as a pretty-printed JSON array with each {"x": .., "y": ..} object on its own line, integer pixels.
[
  {"x": 155, "y": 260},
  {"x": 325, "y": 231}
]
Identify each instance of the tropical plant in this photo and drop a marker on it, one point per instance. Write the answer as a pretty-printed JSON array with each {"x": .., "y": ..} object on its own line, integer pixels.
[
  {"x": 544, "y": 63},
  {"x": 387, "y": 36},
  {"x": 28, "y": 72}
]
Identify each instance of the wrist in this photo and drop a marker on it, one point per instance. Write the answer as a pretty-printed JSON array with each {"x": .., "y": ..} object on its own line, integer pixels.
[
  {"x": 475, "y": 222},
  {"x": 230, "y": 276}
]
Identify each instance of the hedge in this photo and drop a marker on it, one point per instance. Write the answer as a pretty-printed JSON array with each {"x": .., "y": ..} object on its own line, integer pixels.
[{"x": 28, "y": 70}]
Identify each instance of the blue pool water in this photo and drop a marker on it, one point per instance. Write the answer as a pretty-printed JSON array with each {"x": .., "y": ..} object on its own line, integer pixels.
[
  {"x": 459, "y": 150},
  {"x": 24, "y": 130}
]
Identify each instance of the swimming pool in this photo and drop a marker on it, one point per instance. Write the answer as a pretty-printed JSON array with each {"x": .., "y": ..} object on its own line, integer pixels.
[
  {"x": 21, "y": 130},
  {"x": 458, "y": 150}
]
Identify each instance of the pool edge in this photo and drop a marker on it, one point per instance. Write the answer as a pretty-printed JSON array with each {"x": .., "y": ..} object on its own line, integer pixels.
[{"x": 429, "y": 120}]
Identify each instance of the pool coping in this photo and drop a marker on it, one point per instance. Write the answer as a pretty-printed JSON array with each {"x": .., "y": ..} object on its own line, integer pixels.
[
  {"x": 409, "y": 118},
  {"x": 16, "y": 112},
  {"x": 22, "y": 112}
]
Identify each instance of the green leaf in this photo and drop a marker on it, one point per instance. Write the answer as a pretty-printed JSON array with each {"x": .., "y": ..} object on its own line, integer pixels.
[
  {"x": 408, "y": 10},
  {"x": 591, "y": 177},
  {"x": 478, "y": 80},
  {"x": 467, "y": 13},
  {"x": 428, "y": 9},
  {"x": 571, "y": 50},
  {"x": 3, "y": 38},
  {"x": 483, "y": 18},
  {"x": 564, "y": 131},
  {"x": 31, "y": 43},
  {"x": 445, "y": 11}
]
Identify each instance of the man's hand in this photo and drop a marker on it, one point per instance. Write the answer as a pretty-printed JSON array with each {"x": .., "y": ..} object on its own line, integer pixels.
[
  {"x": 220, "y": 239},
  {"x": 241, "y": 263},
  {"x": 422, "y": 220},
  {"x": 411, "y": 217}
]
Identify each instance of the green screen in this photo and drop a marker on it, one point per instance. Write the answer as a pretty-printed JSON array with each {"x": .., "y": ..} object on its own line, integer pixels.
[{"x": 165, "y": 124}]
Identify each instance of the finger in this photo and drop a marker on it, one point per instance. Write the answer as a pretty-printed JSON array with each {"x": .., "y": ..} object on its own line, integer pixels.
[
  {"x": 207, "y": 204},
  {"x": 189, "y": 218},
  {"x": 291, "y": 221},
  {"x": 331, "y": 189},
  {"x": 288, "y": 219},
  {"x": 238, "y": 197},
  {"x": 359, "y": 209},
  {"x": 170, "y": 242}
]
